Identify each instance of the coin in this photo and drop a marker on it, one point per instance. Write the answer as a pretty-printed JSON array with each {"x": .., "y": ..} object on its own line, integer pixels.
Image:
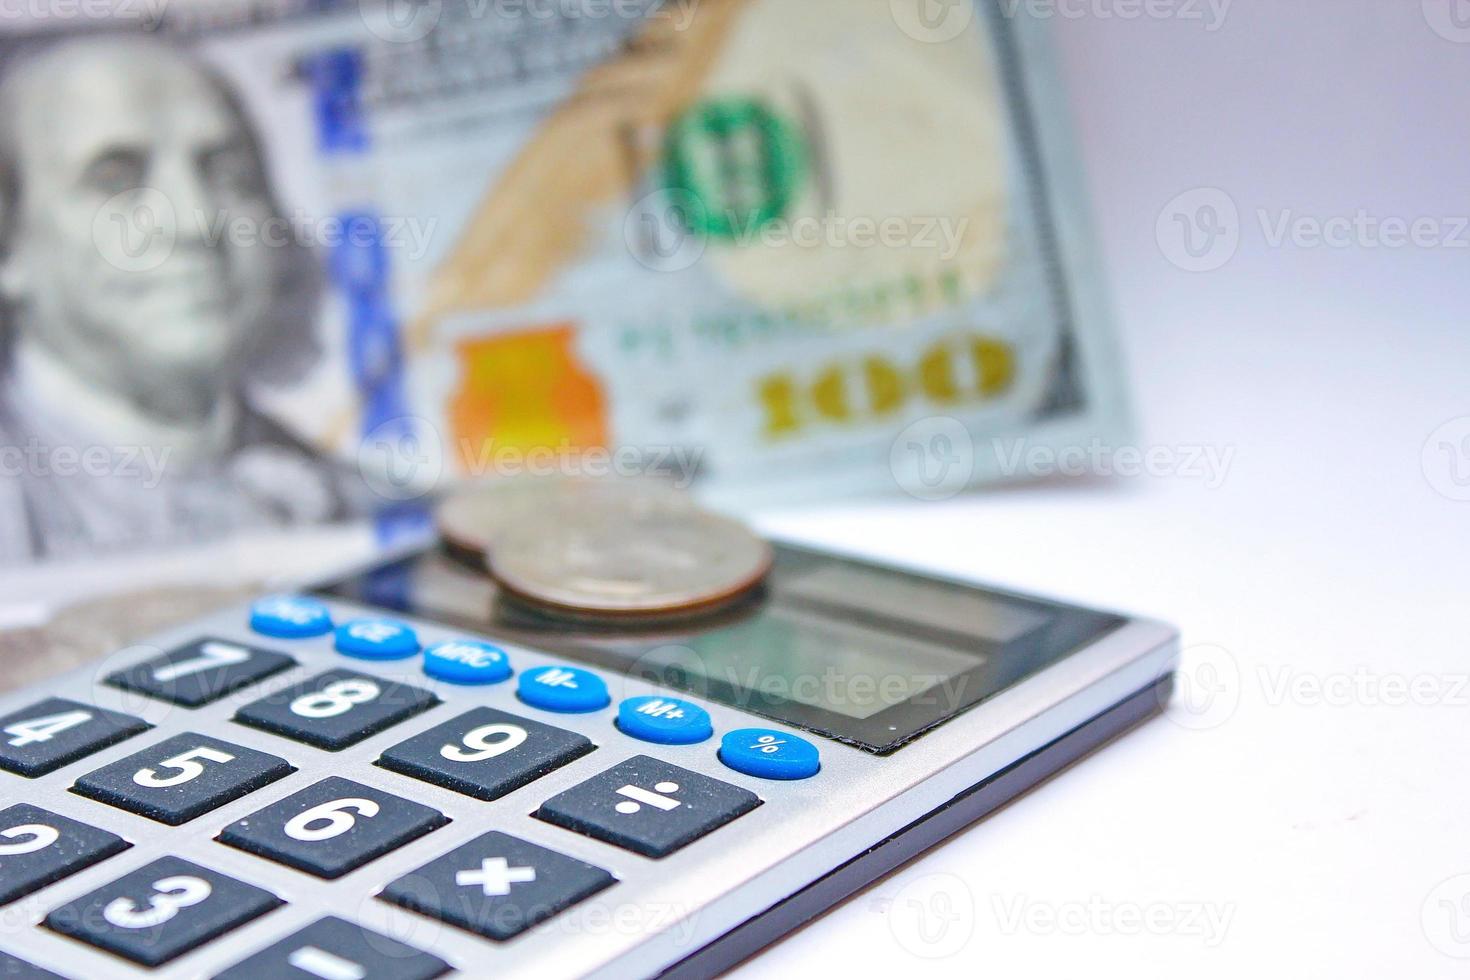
[
  {"x": 472, "y": 520},
  {"x": 629, "y": 552}
]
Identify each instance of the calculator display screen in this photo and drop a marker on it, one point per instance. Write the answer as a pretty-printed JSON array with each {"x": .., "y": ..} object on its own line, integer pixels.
[{"x": 869, "y": 655}]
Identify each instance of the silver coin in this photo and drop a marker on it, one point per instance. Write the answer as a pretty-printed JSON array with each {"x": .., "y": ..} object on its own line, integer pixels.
[
  {"x": 629, "y": 553},
  {"x": 472, "y": 520}
]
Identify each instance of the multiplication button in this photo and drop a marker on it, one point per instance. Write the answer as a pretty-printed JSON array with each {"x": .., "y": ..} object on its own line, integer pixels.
[
  {"x": 485, "y": 753},
  {"x": 647, "y": 806},
  {"x": 332, "y": 827},
  {"x": 497, "y": 885},
  {"x": 161, "y": 911},
  {"x": 334, "y": 948}
]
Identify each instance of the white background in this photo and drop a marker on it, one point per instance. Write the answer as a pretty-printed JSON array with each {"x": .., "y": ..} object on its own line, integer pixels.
[{"x": 1264, "y": 827}]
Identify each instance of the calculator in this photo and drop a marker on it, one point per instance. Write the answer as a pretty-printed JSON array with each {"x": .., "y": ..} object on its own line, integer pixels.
[{"x": 406, "y": 774}]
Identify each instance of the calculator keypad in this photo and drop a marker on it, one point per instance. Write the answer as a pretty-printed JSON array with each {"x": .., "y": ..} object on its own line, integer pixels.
[
  {"x": 161, "y": 910},
  {"x": 647, "y": 806},
  {"x": 485, "y": 753},
  {"x": 497, "y": 885},
  {"x": 201, "y": 672},
  {"x": 182, "y": 777},
  {"x": 56, "y": 732},
  {"x": 38, "y": 847},
  {"x": 334, "y": 947},
  {"x": 15, "y": 968},
  {"x": 332, "y": 827},
  {"x": 337, "y": 709}
]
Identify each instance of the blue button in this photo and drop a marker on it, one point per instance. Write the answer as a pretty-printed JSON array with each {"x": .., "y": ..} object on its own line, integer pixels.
[
  {"x": 667, "y": 721},
  {"x": 567, "y": 689},
  {"x": 466, "y": 662},
  {"x": 769, "y": 754},
  {"x": 377, "y": 639},
  {"x": 290, "y": 617}
]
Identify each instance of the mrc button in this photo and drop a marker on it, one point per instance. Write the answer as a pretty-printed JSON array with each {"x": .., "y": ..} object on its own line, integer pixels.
[
  {"x": 769, "y": 754},
  {"x": 466, "y": 662},
  {"x": 570, "y": 690},
  {"x": 667, "y": 721}
]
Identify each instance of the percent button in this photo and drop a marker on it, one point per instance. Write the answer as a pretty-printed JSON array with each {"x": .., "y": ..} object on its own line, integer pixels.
[{"x": 769, "y": 754}]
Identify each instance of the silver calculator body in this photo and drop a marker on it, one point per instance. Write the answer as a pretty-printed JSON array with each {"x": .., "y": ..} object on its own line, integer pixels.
[{"x": 932, "y": 701}]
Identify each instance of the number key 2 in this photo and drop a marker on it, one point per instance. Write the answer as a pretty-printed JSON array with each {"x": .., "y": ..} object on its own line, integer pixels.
[{"x": 42, "y": 847}]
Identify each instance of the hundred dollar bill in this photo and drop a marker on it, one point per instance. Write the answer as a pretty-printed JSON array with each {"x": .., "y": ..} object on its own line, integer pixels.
[{"x": 266, "y": 264}]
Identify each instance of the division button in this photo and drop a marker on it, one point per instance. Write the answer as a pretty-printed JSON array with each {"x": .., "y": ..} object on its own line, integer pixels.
[
  {"x": 377, "y": 639},
  {"x": 497, "y": 885},
  {"x": 570, "y": 690},
  {"x": 332, "y": 827},
  {"x": 56, "y": 732},
  {"x": 182, "y": 777},
  {"x": 201, "y": 672},
  {"x": 667, "y": 721},
  {"x": 466, "y": 662},
  {"x": 333, "y": 948},
  {"x": 161, "y": 911},
  {"x": 769, "y": 754},
  {"x": 290, "y": 617},
  {"x": 336, "y": 709},
  {"x": 647, "y": 806},
  {"x": 40, "y": 847},
  {"x": 485, "y": 753}
]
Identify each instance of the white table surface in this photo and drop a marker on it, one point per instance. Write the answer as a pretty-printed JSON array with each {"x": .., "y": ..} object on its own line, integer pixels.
[{"x": 1309, "y": 818}]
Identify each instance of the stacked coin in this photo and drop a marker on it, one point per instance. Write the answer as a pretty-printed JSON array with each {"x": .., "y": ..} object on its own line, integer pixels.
[{"x": 605, "y": 547}]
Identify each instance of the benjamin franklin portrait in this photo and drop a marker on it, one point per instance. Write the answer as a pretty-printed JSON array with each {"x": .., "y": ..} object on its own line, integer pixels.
[{"x": 126, "y": 374}]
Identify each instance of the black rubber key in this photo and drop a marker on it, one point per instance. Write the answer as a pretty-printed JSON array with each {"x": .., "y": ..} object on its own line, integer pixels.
[
  {"x": 201, "y": 672},
  {"x": 648, "y": 806},
  {"x": 334, "y": 947},
  {"x": 497, "y": 885},
  {"x": 15, "y": 968},
  {"x": 160, "y": 911},
  {"x": 38, "y": 847},
  {"x": 332, "y": 827},
  {"x": 485, "y": 753},
  {"x": 182, "y": 777},
  {"x": 57, "y": 732},
  {"x": 336, "y": 709}
]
